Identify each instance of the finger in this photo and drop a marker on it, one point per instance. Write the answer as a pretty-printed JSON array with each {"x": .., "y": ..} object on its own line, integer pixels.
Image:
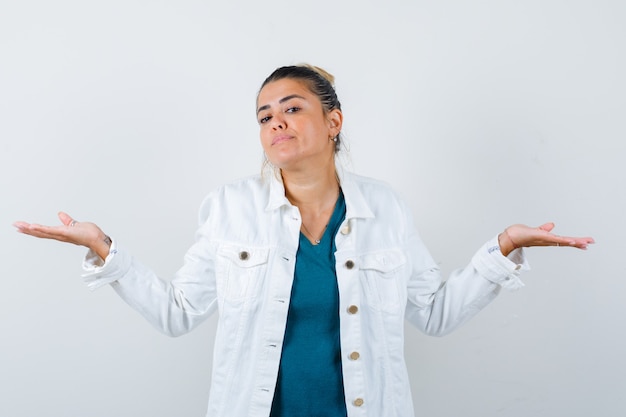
[
  {"x": 583, "y": 242},
  {"x": 547, "y": 226},
  {"x": 576, "y": 242},
  {"x": 46, "y": 232},
  {"x": 19, "y": 225},
  {"x": 65, "y": 218}
]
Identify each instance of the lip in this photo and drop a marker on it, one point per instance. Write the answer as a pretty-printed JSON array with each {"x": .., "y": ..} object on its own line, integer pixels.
[{"x": 281, "y": 138}]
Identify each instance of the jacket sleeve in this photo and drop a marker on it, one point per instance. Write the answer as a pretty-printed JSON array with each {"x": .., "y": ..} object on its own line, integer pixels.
[
  {"x": 437, "y": 307},
  {"x": 174, "y": 307}
]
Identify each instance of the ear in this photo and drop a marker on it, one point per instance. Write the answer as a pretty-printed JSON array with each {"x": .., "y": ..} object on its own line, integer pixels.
[{"x": 335, "y": 121}]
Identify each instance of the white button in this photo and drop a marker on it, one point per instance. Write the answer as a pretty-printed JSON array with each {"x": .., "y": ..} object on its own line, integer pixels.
[
  {"x": 518, "y": 267},
  {"x": 345, "y": 230}
]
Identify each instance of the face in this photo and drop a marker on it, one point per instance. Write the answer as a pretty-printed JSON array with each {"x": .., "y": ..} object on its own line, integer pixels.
[{"x": 296, "y": 132}]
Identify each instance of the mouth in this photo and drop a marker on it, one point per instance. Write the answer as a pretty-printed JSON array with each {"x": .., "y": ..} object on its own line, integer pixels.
[{"x": 281, "y": 138}]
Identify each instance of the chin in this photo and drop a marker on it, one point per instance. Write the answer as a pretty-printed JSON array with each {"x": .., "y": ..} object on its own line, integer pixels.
[{"x": 282, "y": 161}]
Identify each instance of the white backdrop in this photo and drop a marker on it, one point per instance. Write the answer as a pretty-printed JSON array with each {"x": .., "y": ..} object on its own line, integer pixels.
[{"x": 481, "y": 113}]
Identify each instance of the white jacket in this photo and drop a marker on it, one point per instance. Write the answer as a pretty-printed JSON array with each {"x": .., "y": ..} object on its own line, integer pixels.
[{"x": 242, "y": 265}]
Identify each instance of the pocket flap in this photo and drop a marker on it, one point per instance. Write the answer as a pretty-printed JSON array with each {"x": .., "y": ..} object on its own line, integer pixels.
[
  {"x": 244, "y": 256},
  {"x": 385, "y": 261}
]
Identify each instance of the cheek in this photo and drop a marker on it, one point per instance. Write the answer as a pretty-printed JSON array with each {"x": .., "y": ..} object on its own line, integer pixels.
[{"x": 264, "y": 137}]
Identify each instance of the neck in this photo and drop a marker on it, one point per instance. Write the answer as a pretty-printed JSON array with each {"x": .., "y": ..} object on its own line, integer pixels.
[
  {"x": 312, "y": 190},
  {"x": 315, "y": 193}
]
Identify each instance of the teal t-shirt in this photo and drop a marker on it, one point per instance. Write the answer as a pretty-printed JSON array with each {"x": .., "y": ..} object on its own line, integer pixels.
[{"x": 310, "y": 379}]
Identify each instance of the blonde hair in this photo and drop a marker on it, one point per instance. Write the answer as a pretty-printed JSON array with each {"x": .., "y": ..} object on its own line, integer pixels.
[{"x": 321, "y": 71}]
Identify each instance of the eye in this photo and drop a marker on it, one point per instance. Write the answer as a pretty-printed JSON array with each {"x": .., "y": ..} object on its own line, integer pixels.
[
  {"x": 293, "y": 110},
  {"x": 265, "y": 119}
]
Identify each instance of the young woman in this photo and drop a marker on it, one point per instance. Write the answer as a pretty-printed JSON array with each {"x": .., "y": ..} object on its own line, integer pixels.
[{"x": 312, "y": 270}]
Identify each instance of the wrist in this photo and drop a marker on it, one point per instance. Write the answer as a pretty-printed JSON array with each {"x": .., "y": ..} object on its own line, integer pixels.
[
  {"x": 102, "y": 246},
  {"x": 506, "y": 243}
]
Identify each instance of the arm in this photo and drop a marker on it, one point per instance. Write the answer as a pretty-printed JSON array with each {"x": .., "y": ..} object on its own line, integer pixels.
[
  {"x": 438, "y": 308},
  {"x": 172, "y": 307}
]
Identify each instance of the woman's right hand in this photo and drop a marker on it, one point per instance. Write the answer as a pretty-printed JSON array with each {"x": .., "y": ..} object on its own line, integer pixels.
[{"x": 79, "y": 233}]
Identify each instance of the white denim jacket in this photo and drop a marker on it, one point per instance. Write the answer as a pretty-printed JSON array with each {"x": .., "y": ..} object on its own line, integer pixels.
[{"x": 242, "y": 265}]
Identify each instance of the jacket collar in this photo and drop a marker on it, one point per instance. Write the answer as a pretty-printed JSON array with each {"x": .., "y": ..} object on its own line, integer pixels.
[
  {"x": 356, "y": 204},
  {"x": 277, "y": 190}
]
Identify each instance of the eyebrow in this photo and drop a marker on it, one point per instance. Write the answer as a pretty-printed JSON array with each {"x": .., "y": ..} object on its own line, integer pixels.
[{"x": 282, "y": 100}]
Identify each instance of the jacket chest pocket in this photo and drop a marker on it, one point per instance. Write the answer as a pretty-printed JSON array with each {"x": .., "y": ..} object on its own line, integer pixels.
[
  {"x": 240, "y": 270},
  {"x": 382, "y": 275}
]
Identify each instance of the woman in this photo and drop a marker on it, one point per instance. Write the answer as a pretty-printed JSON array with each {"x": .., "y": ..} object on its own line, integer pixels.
[{"x": 312, "y": 270}]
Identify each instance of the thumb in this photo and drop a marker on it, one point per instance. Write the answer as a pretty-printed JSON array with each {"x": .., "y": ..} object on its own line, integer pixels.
[
  {"x": 65, "y": 218},
  {"x": 547, "y": 226}
]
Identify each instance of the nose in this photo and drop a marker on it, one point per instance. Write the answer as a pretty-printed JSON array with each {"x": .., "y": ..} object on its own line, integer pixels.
[{"x": 278, "y": 122}]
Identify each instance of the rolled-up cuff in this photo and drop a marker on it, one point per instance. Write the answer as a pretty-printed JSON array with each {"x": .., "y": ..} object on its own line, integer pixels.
[
  {"x": 499, "y": 269},
  {"x": 99, "y": 272}
]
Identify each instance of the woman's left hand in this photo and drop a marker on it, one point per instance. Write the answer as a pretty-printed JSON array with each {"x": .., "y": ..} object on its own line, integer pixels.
[{"x": 519, "y": 235}]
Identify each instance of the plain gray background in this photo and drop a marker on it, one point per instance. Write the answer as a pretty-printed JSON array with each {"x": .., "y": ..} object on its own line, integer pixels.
[{"x": 481, "y": 113}]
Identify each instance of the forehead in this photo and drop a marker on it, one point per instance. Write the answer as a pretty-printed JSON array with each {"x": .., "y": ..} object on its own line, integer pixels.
[{"x": 274, "y": 91}]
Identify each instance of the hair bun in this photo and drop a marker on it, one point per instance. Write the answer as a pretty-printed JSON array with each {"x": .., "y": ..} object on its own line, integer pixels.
[{"x": 321, "y": 71}]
